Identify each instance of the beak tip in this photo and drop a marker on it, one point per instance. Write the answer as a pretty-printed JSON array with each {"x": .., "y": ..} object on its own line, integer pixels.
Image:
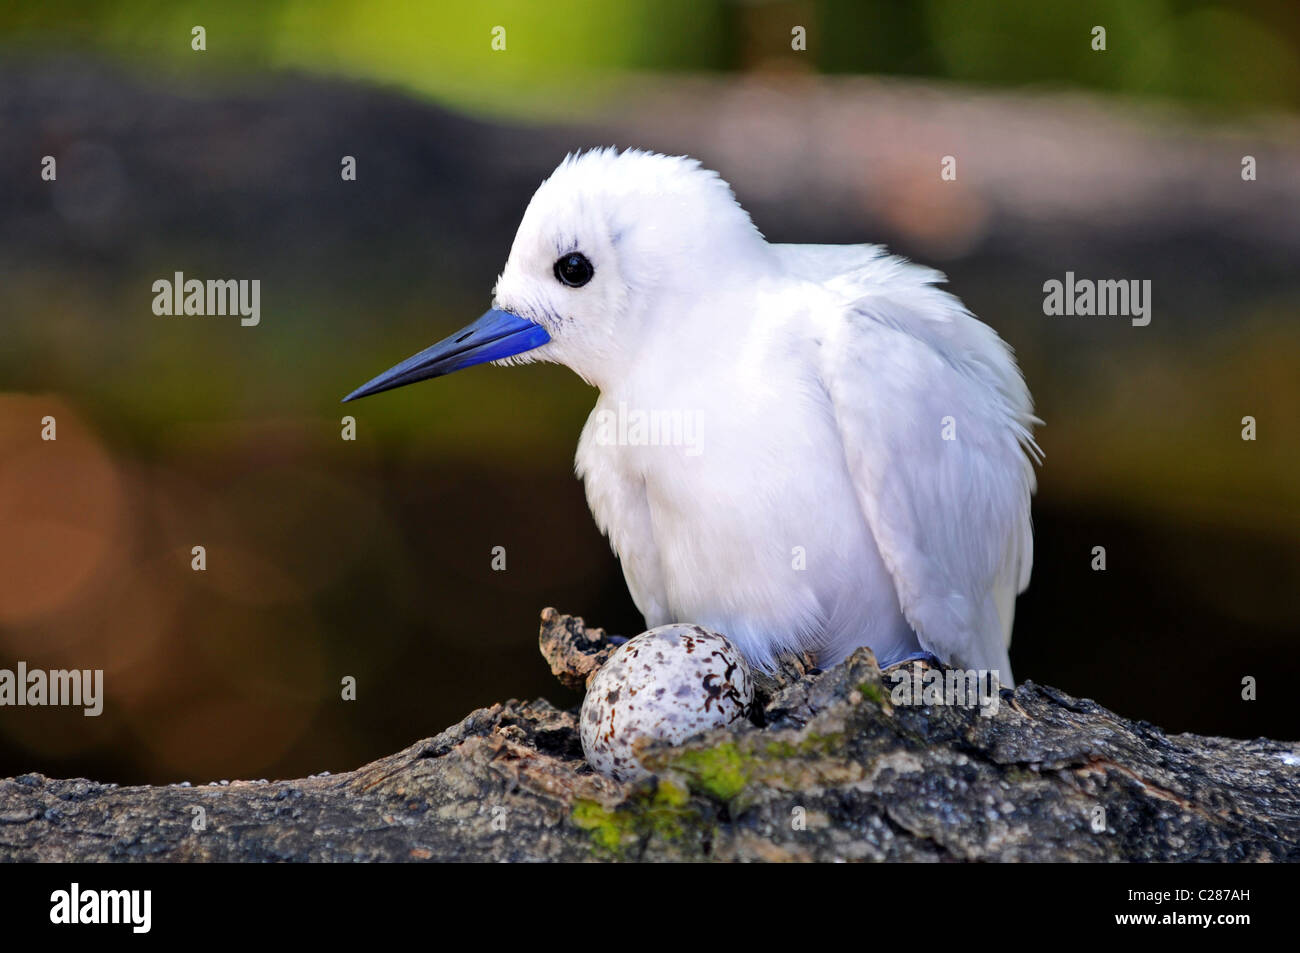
[{"x": 497, "y": 334}]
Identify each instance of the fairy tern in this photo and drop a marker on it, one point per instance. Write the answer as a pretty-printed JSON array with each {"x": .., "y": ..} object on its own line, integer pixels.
[{"x": 862, "y": 457}]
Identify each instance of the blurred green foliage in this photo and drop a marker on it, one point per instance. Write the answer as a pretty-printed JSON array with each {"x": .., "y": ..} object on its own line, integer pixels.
[
  {"x": 1227, "y": 54},
  {"x": 1242, "y": 54}
]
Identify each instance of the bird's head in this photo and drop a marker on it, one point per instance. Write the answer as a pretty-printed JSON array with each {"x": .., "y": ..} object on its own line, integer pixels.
[{"x": 606, "y": 245}]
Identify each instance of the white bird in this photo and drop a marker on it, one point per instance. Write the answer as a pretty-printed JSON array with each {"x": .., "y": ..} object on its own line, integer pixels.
[{"x": 862, "y": 460}]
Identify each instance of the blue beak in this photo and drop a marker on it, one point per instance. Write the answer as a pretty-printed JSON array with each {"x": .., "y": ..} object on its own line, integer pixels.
[{"x": 496, "y": 335}]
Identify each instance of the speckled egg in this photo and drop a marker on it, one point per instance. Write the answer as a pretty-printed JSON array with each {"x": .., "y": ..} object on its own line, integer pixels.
[{"x": 665, "y": 685}]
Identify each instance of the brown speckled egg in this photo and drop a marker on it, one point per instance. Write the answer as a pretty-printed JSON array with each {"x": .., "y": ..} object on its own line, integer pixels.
[{"x": 667, "y": 684}]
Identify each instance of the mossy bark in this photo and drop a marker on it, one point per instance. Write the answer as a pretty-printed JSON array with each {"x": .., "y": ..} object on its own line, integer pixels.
[{"x": 830, "y": 770}]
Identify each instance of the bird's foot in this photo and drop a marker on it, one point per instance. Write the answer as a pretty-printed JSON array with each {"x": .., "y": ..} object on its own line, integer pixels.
[{"x": 929, "y": 658}]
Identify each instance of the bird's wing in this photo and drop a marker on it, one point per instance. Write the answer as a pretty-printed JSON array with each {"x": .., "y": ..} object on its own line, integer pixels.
[{"x": 935, "y": 421}]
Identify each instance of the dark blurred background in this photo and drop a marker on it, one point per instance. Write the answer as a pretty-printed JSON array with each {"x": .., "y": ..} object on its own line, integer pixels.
[{"x": 372, "y": 558}]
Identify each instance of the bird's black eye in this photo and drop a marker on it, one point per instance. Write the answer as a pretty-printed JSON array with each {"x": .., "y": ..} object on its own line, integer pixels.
[{"x": 574, "y": 269}]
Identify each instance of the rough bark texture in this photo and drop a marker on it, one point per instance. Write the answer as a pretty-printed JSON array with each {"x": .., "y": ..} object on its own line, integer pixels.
[{"x": 830, "y": 770}]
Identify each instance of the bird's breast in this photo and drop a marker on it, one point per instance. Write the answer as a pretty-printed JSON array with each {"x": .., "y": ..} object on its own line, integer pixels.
[{"x": 742, "y": 518}]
